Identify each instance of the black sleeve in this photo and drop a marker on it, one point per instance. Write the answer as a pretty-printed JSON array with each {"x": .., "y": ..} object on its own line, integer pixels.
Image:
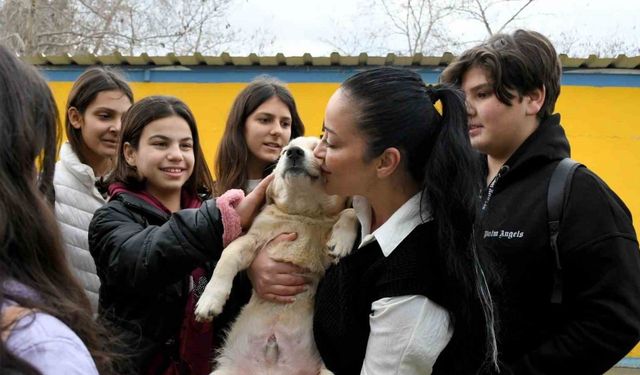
[
  {"x": 601, "y": 272},
  {"x": 130, "y": 253}
]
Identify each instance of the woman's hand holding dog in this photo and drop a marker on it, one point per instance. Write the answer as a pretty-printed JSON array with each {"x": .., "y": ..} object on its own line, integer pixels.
[{"x": 276, "y": 281}]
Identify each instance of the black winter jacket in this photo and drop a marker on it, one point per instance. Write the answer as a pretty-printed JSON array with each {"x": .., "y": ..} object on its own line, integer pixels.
[
  {"x": 599, "y": 319},
  {"x": 144, "y": 257}
]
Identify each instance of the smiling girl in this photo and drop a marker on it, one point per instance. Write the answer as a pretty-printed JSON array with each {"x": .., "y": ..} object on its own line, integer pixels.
[
  {"x": 95, "y": 106},
  {"x": 152, "y": 242}
]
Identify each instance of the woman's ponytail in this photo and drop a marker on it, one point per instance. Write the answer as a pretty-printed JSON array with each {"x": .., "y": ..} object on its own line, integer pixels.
[
  {"x": 452, "y": 184},
  {"x": 451, "y": 180}
]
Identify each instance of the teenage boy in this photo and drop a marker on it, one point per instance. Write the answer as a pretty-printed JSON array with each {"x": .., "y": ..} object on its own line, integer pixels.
[{"x": 511, "y": 83}]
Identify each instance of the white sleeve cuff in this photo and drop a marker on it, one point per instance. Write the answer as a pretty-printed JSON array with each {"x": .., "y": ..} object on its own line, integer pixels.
[{"x": 407, "y": 335}]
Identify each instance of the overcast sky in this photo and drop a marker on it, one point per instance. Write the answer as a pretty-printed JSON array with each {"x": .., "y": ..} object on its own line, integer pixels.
[{"x": 299, "y": 26}]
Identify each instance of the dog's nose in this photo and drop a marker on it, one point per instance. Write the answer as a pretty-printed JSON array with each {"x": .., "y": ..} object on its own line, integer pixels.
[{"x": 295, "y": 153}]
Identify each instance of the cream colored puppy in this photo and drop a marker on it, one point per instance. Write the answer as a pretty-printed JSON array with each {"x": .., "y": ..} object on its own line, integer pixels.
[{"x": 273, "y": 338}]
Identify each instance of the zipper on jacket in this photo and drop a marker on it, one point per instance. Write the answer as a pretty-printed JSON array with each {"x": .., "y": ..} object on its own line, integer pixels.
[{"x": 504, "y": 169}]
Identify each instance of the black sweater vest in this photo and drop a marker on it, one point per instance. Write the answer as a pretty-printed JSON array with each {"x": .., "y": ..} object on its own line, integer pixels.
[{"x": 345, "y": 294}]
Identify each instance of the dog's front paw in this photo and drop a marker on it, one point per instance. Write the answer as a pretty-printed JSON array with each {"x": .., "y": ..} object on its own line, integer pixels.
[
  {"x": 339, "y": 247},
  {"x": 343, "y": 235},
  {"x": 210, "y": 303}
]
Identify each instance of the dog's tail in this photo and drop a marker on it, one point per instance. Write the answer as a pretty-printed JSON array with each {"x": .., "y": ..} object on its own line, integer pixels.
[{"x": 271, "y": 350}]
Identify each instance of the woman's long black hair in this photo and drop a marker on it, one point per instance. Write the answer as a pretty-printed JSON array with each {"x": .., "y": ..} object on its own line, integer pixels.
[
  {"x": 394, "y": 108},
  {"x": 31, "y": 253}
]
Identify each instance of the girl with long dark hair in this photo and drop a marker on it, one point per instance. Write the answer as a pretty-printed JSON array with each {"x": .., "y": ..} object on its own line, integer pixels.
[
  {"x": 155, "y": 240},
  {"x": 47, "y": 325},
  {"x": 262, "y": 120},
  {"x": 96, "y": 103}
]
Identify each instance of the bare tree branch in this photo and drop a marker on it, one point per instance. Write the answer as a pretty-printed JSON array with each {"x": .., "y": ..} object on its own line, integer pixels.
[
  {"x": 483, "y": 16},
  {"x": 478, "y": 10},
  {"x": 514, "y": 16},
  {"x": 104, "y": 26},
  {"x": 417, "y": 21}
]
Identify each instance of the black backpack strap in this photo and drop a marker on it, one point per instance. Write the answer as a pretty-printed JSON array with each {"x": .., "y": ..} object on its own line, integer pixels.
[{"x": 559, "y": 187}]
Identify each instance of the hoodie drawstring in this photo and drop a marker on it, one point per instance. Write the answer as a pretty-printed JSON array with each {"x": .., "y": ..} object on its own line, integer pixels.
[{"x": 492, "y": 184}]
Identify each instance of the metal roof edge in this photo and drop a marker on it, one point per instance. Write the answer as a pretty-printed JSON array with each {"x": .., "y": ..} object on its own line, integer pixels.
[{"x": 334, "y": 59}]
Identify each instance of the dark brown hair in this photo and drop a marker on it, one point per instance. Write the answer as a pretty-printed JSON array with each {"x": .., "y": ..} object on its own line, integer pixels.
[
  {"x": 134, "y": 121},
  {"x": 30, "y": 249},
  {"x": 523, "y": 61},
  {"x": 233, "y": 153},
  {"x": 84, "y": 91}
]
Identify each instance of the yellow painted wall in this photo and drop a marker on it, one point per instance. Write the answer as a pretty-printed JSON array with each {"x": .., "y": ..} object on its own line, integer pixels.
[
  {"x": 603, "y": 124},
  {"x": 210, "y": 103}
]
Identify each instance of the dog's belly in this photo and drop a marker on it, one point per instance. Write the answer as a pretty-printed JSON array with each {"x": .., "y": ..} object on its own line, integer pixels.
[{"x": 273, "y": 339}]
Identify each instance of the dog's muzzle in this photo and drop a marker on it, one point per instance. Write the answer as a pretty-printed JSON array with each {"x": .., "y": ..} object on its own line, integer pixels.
[
  {"x": 295, "y": 156},
  {"x": 295, "y": 162}
]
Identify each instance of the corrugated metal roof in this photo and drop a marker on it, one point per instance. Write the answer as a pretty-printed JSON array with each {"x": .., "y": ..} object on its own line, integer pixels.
[{"x": 335, "y": 59}]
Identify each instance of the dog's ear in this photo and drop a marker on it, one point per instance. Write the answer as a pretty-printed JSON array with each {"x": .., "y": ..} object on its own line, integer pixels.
[{"x": 269, "y": 193}]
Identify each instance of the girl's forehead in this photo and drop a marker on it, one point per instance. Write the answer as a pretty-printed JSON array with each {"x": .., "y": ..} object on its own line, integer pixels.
[
  {"x": 168, "y": 127},
  {"x": 273, "y": 105},
  {"x": 110, "y": 98}
]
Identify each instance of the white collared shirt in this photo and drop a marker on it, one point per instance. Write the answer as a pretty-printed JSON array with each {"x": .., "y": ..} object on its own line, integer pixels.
[{"x": 407, "y": 332}]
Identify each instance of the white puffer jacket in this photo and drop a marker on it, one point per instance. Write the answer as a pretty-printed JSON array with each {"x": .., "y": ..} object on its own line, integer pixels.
[{"x": 77, "y": 198}]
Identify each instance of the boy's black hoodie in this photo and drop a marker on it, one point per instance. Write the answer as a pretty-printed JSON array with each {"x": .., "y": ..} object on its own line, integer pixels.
[{"x": 599, "y": 319}]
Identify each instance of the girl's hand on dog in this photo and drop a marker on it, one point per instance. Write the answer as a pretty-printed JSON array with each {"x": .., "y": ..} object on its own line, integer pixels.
[
  {"x": 277, "y": 281},
  {"x": 250, "y": 206}
]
